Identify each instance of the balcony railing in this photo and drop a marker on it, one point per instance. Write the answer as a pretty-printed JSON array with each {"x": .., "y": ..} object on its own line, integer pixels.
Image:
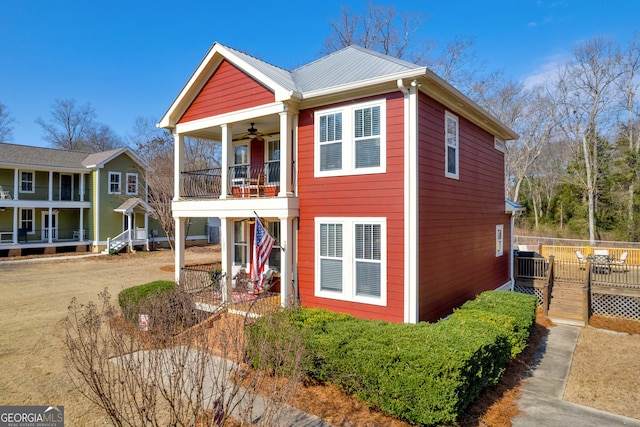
[{"x": 250, "y": 180}]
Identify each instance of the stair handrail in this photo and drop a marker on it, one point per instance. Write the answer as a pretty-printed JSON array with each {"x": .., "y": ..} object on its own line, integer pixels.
[
  {"x": 120, "y": 238},
  {"x": 548, "y": 285}
]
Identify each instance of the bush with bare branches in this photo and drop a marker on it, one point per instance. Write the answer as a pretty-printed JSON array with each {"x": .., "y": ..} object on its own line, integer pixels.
[{"x": 173, "y": 373}]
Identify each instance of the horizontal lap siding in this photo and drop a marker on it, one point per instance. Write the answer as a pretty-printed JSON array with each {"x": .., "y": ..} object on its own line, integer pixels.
[
  {"x": 227, "y": 90},
  {"x": 458, "y": 218},
  {"x": 375, "y": 195}
]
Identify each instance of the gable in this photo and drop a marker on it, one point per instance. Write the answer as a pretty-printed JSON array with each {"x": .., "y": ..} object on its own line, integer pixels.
[{"x": 227, "y": 90}]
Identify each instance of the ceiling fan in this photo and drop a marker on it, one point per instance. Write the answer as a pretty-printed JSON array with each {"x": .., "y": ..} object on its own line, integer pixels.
[{"x": 252, "y": 132}]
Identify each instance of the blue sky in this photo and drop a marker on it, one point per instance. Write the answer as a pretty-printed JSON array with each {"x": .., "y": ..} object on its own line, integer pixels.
[{"x": 131, "y": 58}]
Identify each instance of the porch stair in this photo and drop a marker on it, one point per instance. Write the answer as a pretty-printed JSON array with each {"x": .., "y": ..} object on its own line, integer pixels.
[{"x": 566, "y": 304}]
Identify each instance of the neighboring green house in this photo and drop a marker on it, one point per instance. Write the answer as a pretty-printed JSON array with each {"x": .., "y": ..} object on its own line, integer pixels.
[{"x": 58, "y": 201}]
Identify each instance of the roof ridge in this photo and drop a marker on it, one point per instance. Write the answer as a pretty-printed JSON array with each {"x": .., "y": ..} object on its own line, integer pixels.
[
  {"x": 254, "y": 57},
  {"x": 46, "y": 148}
]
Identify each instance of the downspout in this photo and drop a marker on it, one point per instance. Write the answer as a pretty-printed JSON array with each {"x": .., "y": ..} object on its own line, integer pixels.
[
  {"x": 96, "y": 240},
  {"x": 513, "y": 221}
]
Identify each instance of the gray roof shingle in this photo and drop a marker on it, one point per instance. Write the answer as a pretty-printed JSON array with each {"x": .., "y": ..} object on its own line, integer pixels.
[{"x": 39, "y": 156}]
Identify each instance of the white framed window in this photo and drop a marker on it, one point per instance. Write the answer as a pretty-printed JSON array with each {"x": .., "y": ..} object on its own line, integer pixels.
[
  {"x": 115, "y": 182},
  {"x": 351, "y": 140},
  {"x": 275, "y": 256},
  {"x": 132, "y": 183},
  {"x": 498, "y": 144},
  {"x": 351, "y": 259},
  {"x": 499, "y": 239},
  {"x": 27, "y": 182},
  {"x": 273, "y": 162},
  {"x": 240, "y": 244},
  {"x": 27, "y": 220},
  {"x": 452, "y": 149}
]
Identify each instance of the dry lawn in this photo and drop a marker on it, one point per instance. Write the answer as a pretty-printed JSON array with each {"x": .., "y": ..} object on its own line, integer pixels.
[{"x": 35, "y": 297}]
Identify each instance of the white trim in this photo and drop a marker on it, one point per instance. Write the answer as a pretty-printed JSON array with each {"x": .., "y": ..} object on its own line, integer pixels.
[
  {"x": 449, "y": 116},
  {"x": 499, "y": 145},
  {"x": 119, "y": 175},
  {"x": 233, "y": 117},
  {"x": 45, "y": 230},
  {"x": 348, "y": 141},
  {"x": 33, "y": 181},
  {"x": 33, "y": 219},
  {"x": 348, "y": 292},
  {"x": 499, "y": 240},
  {"x": 60, "y": 175},
  {"x": 411, "y": 204},
  {"x": 128, "y": 174}
]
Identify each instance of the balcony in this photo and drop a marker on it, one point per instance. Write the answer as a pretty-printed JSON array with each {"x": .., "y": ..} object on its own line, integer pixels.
[{"x": 243, "y": 181}]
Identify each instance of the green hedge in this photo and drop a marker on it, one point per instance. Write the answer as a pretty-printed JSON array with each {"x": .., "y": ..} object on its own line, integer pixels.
[
  {"x": 425, "y": 374},
  {"x": 513, "y": 311},
  {"x": 129, "y": 299}
]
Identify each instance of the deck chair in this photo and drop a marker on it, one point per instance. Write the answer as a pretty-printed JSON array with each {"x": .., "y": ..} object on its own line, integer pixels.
[
  {"x": 581, "y": 259},
  {"x": 4, "y": 194},
  {"x": 254, "y": 189},
  {"x": 619, "y": 264}
]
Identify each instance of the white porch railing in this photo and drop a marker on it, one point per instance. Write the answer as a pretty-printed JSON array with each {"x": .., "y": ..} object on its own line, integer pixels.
[{"x": 125, "y": 238}]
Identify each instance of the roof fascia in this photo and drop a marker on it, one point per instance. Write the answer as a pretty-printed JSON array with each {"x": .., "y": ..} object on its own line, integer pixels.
[
  {"x": 438, "y": 89},
  {"x": 41, "y": 168},
  {"x": 123, "y": 150}
]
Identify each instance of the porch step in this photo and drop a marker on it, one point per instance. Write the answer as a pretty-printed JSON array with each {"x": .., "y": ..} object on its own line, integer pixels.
[
  {"x": 566, "y": 303},
  {"x": 566, "y": 318}
]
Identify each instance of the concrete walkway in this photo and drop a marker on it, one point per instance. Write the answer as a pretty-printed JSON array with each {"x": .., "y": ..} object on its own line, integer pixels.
[{"x": 541, "y": 394}]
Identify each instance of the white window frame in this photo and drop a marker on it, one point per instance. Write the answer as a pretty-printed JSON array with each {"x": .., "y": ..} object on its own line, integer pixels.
[
  {"x": 32, "y": 181},
  {"x": 134, "y": 175},
  {"x": 119, "y": 175},
  {"x": 499, "y": 145},
  {"x": 32, "y": 220},
  {"x": 241, "y": 245},
  {"x": 348, "y": 292},
  {"x": 455, "y": 144},
  {"x": 348, "y": 140},
  {"x": 499, "y": 240}
]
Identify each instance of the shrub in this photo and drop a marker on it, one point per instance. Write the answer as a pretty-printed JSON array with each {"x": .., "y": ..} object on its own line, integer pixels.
[
  {"x": 492, "y": 306},
  {"x": 130, "y": 299},
  {"x": 425, "y": 374}
]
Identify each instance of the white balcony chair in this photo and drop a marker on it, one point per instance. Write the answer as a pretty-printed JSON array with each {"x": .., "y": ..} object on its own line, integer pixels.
[
  {"x": 619, "y": 264},
  {"x": 4, "y": 194},
  {"x": 581, "y": 259}
]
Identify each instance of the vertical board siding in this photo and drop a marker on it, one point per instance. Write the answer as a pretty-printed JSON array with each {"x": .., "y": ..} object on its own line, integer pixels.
[
  {"x": 227, "y": 90},
  {"x": 374, "y": 195},
  {"x": 458, "y": 218}
]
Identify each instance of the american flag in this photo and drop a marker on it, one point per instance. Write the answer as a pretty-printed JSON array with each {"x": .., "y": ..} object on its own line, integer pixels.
[{"x": 262, "y": 244}]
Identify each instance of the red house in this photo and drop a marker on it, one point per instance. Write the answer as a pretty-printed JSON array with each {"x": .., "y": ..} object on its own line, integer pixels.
[{"x": 382, "y": 184}]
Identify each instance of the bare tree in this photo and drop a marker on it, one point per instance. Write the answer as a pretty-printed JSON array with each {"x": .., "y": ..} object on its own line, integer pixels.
[
  {"x": 585, "y": 93},
  {"x": 182, "y": 366},
  {"x": 74, "y": 127},
  {"x": 536, "y": 124},
  {"x": 155, "y": 147},
  {"x": 378, "y": 28},
  {"x": 6, "y": 119},
  {"x": 102, "y": 138},
  {"x": 629, "y": 85}
]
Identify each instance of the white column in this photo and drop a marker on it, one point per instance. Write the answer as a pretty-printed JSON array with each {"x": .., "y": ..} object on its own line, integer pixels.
[
  {"x": 226, "y": 255},
  {"x": 15, "y": 225},
  {"x": 178, "y": 246},
  {"x": 50, "y": 185},
  {"x": 178, "y": 165},
  {"x": 81, "y": 224},
  {"x": 82, "y": 178},
  {"x": 227, "y": 153},
  {"x": 286, "y": 272},
  {"x": 16, "y": 183},
  {"x": 49, "y": 226},
  {"x": 286, "y": 153}
]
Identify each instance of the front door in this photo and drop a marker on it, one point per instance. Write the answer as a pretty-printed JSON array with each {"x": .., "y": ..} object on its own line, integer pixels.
[
  {"x": 66, "y": 187},
  {"x": 45, "y": 225}
]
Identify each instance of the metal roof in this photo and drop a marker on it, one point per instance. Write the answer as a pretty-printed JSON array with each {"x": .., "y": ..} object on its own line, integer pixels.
[
  {"x": 348, "y": 65},
  {"x": 277, "y": 74}
]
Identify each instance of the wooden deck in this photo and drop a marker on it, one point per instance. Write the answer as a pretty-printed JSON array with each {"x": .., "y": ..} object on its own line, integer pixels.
[{"x": 571, "y": 290}]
